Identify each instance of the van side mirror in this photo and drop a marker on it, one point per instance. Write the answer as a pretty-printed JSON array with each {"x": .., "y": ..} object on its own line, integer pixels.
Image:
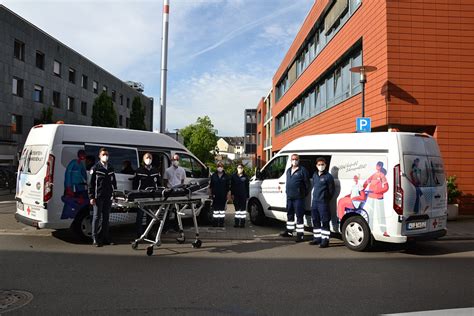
[{"x": 258, "y": 174}]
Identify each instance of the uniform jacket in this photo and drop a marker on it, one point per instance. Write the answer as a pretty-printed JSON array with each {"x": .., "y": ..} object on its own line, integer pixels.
[
  {"x": 103, "y": 181},
  {"x": 146, "y": 178},
  {"x": 323, "y": 187},
  {"x": 219, "y": 186},
  {"x": 297, "y": 184},
  {"x": 239, "y": 186}
]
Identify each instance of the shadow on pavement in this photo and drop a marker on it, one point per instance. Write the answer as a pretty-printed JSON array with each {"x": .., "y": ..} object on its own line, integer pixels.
[{"x": 426, "y": 248}]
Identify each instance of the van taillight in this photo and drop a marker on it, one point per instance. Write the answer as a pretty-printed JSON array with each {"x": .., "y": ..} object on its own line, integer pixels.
[
  {"x": 398, "y": 191},
  {"x": 48, "y": 180}
]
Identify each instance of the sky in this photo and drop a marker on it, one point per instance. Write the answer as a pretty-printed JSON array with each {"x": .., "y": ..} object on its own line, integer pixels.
[{"x": 222, "y": 54}]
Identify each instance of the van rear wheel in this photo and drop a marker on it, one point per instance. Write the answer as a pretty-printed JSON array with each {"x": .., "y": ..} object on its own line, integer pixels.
[
  {"x": 82, "y": 225},
  {"x": 356, "y": 233},
  {"x": 257, "y": 216}
]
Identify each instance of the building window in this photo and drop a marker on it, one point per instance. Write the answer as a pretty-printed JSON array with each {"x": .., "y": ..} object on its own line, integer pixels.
[
  {"x": 56, "y": 99},
  {"x": 95, "y": 86},
  {"x": 113, "y": 95},
  {"x": 19, "y": 50},
  {"x": 105, "y": 88},
  {"x": 57, "y": 68},
  {"x": 72, "y": 75},
  {"x": 16, "y": 124},
  {"x": 120, "y": 120},
  {"x": 17, "y": 87},
  {"x": 128, "y": 103},
  {"x": 127, "y": 122},
  {"x": 121, "y": 99},
  {"x": 39, "y": 60},
  {"x": 84, "y": 81},
  {"x": 70, "y": 104},
  {"x": 84, "y": 108},
  {"x": 38, "y": 94}
]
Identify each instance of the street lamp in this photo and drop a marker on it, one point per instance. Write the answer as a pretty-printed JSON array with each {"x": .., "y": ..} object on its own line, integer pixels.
[{"x": 363, "y": 70}]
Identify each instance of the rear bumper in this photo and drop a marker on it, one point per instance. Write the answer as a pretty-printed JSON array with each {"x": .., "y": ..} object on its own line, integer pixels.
[
  {"x": 429, "y": 235},
  {"x": 28, "y": 221}
]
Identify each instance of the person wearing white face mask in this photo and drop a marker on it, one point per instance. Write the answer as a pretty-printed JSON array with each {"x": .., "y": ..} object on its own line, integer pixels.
[
  {"x": 297, "y": 187},
  {"x": 102, "y": 185},
  {"x": 219, "y": 192},
  {"x": 146, "y": 178},
  {"x": 174, "y": 175},
  {"x": 323, "y": 192},
  {"x": 239, "y": 187}
]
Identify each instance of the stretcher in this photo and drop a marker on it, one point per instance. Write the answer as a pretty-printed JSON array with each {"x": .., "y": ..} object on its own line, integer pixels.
[{"x": 157, "y": 204}]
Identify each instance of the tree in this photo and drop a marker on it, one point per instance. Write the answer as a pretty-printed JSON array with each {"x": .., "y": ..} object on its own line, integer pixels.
[
  {"x": 137, "y": 116},
  {"x": 200, "y": 138},
  {"x": 103, "y": 111},
  {"x": 46, "y": 116}
]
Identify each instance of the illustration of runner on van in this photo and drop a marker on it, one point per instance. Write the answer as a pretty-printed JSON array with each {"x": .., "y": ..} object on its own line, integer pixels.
[
  {"x": 75, "y": 186},
  {"x": 415, "y": 177},
  {"x": 376, "y": 185},
  {"x": 352, "y": 201}
]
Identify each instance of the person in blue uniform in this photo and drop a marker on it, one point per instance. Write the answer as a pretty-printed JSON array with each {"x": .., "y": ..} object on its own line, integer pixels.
[
  {"x": 239, "y": 187},
  {"x": 323, "y": 191},
  {"x": 146, "y": 178},
  {"x": 101, "y": 188},
  {"x": 297, "y": 187},
  {"x": 219, "y": 191}
]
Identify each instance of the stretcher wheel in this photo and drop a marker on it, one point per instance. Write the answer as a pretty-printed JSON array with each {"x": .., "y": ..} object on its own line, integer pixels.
[
  {"x": 181, "y": 239},
  {"x": 134, "y": 245},
  {"x": 197, "y": 243},
  {"x": 149, "y": 250}
]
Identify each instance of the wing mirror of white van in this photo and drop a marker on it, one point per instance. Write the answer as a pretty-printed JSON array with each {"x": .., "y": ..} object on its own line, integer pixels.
[{"x": 258, "y": 174}]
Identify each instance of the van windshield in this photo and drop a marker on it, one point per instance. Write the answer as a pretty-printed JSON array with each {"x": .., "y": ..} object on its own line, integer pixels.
[{"x": 33, "y": 159}]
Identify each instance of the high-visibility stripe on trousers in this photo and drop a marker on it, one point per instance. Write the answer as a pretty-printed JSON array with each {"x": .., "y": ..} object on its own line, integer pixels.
[
  {"x": 300, "y": 228},
  {"x": 240, "y": 214},
  {"x": 218, "y": 214},
  {"x": 316, "y": 233},
  {"x": 290, "y": 226},
  {"x": 325, "y": 234}
]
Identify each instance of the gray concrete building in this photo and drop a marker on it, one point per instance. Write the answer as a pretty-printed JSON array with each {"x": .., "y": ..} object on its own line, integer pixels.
[{"x": 37, "y": 72}]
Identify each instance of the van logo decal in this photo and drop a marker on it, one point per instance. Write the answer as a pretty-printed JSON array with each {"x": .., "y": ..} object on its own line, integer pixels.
[
  {"x": 38, "y": 186},
  {"x": 28, "y": 210}
]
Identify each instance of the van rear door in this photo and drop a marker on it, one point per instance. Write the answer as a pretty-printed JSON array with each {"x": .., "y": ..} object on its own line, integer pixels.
[{"x": 32, "y": 172}]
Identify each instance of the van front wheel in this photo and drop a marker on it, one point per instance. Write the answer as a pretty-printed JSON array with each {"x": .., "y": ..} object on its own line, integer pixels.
[
  {"x": 82, "y": 224},
  {"x": 257, "y": 216},
  {"x": 356, "y": 233}
]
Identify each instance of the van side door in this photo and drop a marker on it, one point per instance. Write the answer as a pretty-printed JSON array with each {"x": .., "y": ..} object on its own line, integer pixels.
[{"x": 273, "y": 186}]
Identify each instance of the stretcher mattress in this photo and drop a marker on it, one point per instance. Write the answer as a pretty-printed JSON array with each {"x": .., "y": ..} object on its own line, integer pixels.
[{"x": 158, "y": 194}]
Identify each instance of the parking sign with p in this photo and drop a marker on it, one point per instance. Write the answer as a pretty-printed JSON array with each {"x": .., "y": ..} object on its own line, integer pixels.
[{"x": 363, "y": 125}]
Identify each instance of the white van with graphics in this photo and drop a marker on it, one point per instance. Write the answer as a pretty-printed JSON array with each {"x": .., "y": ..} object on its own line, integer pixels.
[
  {"x": 52, "y": 182},
  {"x": 390, "y": 186}
]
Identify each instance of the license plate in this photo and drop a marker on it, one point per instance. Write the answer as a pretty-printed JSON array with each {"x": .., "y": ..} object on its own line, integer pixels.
[{"x": 416, "y": 225}]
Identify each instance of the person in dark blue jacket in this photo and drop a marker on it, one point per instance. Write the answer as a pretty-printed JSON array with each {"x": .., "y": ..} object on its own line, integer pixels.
[
  {"x": 239, "y": 187},
  {"x": 101, "y": 188},
  {"x": 323, "y": 191},
  {"x": 219, "y": 192},
  {"x": 297, "y": 187}
]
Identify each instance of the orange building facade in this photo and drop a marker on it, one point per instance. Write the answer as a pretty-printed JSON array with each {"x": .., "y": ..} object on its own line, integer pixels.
[{"x": 424, "y": 82}]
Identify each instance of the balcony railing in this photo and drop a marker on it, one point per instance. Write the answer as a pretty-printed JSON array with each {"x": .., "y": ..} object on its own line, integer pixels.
[{"x": 267, "y": 116}]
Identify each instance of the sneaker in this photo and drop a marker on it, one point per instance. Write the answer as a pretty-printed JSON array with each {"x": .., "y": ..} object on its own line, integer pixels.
[
  {"x": 324, "y": 243},
  {"x": 286, "y": 234},
  {"x": 96, "y": 243},
  {"x": 108, "y": 243},
  {"x": 315, "y": 242},
  {"x": 236, "y": 225}
]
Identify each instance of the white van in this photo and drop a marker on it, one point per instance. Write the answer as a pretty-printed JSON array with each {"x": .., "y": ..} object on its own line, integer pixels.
[
  {"x": 51, "y": 187},
  {"x": 390, "y": 186}
]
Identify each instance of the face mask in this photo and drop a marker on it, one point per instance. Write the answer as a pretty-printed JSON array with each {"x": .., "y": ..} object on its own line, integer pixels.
[
  {"x": 104, "y": 158},
  {"x": 240, "y": 170},
  {"x": 148, "y": 161},
  {"x": 220, "y": 169},
  {"x": 321, "y": 168},
  {"x": 294, "y": 163},
  {"x": 175, "y": 163}
]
